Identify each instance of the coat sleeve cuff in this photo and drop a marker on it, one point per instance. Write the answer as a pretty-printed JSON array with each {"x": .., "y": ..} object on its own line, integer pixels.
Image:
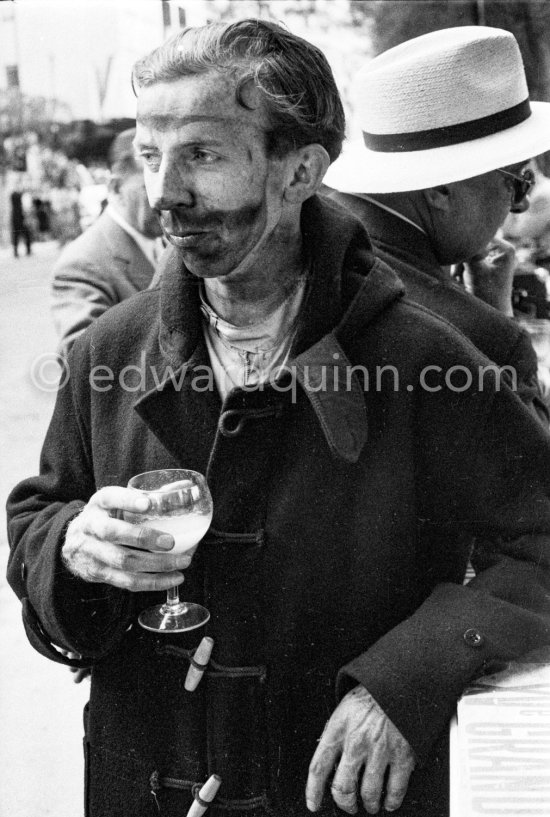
[
  {"x": 41, "y": 641},
  {"x": 418, "y": 670},
  {"x": 64, "y": 610}
]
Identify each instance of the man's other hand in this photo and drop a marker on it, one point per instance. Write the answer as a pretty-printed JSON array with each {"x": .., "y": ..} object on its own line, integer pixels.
[
  {"x": 359, "y": 735},
  {"x": 490, "y": 275},
  {"x": 102, "y": 548}
]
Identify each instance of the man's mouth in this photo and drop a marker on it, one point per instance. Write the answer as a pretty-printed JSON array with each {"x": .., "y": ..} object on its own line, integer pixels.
[
  {"x": 185, "y": 238},
  {"x": 181, "y": 232}
]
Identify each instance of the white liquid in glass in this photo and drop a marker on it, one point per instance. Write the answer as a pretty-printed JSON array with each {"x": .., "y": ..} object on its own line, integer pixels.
[{"x": 187, "y": 529}]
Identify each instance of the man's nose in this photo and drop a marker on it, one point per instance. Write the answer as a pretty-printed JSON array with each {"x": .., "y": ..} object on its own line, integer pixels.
[{"x": 168, "y": 188}]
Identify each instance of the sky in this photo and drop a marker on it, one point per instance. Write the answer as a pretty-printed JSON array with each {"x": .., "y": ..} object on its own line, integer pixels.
[{"x": 82, "y": 51}]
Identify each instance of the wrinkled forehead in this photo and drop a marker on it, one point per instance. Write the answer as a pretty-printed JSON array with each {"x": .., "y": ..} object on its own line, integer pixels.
[{"x": 207, "y": 98}]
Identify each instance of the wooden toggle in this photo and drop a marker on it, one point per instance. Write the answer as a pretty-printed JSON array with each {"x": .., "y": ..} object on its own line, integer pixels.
[
  {"x": 205, "y": 796},
  {"x": 199, "y": 662}
]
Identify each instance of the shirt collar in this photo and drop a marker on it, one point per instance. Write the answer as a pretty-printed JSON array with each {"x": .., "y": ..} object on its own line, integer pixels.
[{"x": 390, "y": 210}]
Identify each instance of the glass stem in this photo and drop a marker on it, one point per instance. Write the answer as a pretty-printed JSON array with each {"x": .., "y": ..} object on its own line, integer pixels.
[{"x": 173, "y": 597}]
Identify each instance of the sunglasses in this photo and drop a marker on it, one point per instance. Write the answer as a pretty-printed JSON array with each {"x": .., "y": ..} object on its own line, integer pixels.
[{"x": 522, "y": 185}]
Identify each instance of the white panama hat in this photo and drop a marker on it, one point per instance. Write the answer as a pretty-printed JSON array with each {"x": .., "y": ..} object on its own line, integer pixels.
[{"x": 440, "y": 108}]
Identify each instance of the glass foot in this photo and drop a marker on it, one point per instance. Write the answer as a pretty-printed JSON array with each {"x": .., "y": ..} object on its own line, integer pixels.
[{"x": 162, "y": 619}]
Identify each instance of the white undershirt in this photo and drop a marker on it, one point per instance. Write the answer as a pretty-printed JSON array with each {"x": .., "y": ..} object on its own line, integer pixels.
[{"x": 245, "y": 357}]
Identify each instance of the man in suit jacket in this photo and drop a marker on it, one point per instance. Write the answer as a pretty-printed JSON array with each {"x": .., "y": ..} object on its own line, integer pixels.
[
  {"x": 114, "y": 258},
  {"x": 427, "y": 205}
]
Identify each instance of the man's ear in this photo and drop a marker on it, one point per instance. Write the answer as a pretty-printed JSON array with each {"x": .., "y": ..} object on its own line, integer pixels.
[
  {"x": 439, "y": 197},
  {"x": 307, "y": 169}
]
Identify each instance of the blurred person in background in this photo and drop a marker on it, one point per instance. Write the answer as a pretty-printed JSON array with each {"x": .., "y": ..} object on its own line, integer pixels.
[
  {"x": 64, "y": 197},
  {"x": 115, "y": 257},
  {"x": 443, "y": 161},
  {"x": 21, "y": 221},
  {"x": 529, "y": 231}
]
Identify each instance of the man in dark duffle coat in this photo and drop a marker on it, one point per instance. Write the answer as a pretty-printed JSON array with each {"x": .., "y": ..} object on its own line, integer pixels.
[{"x": 353, "y": 443}]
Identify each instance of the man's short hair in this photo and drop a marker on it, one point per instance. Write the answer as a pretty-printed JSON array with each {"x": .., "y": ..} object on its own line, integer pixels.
[
  {"x": 293, "y": 76},
  {"x": 122, "y": 158}
]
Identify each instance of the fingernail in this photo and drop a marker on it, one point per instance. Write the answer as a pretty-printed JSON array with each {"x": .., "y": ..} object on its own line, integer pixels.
[
  {"x": 312, "y": 806},
  {"x": 165, "y": 541},
  {"x": 142, "y": 503}
]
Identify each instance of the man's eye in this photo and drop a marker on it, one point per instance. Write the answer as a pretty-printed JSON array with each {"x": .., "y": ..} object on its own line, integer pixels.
[
  {"x": 151, "y": 159},
  {"x": 204, "y": 156}
]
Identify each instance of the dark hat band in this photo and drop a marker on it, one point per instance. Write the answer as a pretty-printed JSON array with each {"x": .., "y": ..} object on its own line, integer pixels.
[{"x": 450, "y": 134}]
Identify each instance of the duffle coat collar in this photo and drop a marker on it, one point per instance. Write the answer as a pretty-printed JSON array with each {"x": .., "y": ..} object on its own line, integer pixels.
[{"x": 348, "y": 289}]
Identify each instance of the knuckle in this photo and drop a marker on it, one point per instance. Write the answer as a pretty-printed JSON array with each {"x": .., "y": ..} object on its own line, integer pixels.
[
  {"x": 171, "y": 563},
  {"x": 371, "y": 787},
  {"x": 347, "y": 801},
  {"x": 124, "y": 560},
  {"x": 370, "y": 792},
  {"x": 397, "y": 793},
  {"x": 145, "y": 538},
  {"x": 345, "y": 789},
  {"x": 94, "y": 572},
  {"x": 125, "y": 581},
  {"x": 100, "y": 497},
  {"x": 371, "y": 799},
  {"x": 316, "y": 767},
  {"x": 161, "y": 582},
  {"x": 95, "y": 524},
  {"x": 402, "y": 752}
]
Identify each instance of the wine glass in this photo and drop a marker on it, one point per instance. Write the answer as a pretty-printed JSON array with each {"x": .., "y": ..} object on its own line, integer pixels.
[{"x": 181, "y": 505}]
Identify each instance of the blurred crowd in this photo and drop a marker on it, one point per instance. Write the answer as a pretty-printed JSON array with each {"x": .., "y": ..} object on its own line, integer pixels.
[
  {"x": 51, "y": 196},
  {"x": 529, "y": 232},
  {"x": 54, "y": 197}
]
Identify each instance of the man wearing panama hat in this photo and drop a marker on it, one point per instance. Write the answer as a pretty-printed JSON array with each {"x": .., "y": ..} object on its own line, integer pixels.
[{"x": 447, "y": 130}]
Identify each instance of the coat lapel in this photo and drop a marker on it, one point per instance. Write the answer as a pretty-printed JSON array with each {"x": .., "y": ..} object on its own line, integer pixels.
[
  {"x": 134, "y": 266},
  {"x": 181, "y": 392},
  {"x": 345, "y": 280},
  {"x": 326, "y": 374},
  {"x": 182, "y": 408}
]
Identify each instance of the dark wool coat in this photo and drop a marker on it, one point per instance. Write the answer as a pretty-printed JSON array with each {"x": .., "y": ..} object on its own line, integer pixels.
[
  {"x": 338, "y": 547},
  {"x": 411, "y": 255}
]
